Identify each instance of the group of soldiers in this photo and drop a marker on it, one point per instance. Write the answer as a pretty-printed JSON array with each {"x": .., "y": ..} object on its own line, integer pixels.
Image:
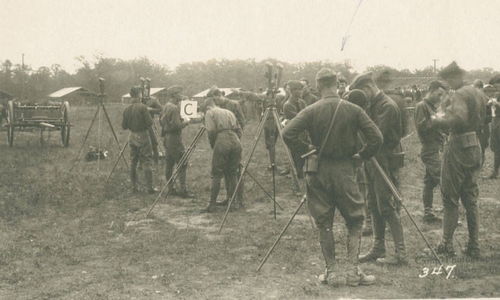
[{"x": 355, "y": 137}]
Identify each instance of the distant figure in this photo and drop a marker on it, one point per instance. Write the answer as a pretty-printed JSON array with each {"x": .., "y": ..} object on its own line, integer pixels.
[
  {"x": 484, "y": 134},
  {"x": 291, "y": 108},
  {"x": 306, "y": 93},
  {"x": 154, "y": 108},
  {"x": 494, "y": 104}
]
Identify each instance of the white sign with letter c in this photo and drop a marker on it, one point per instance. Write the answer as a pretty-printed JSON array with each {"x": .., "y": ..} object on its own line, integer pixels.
[{"x": 189, "y": 108}]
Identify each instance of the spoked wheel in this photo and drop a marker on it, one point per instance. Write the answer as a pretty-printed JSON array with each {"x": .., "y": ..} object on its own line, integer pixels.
[
  {"x": 10, "y": 121},
  {"x": 66, "y": 128}
]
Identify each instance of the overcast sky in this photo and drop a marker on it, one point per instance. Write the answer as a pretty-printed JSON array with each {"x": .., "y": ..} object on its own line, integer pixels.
[{"x": 405, "y": 34}]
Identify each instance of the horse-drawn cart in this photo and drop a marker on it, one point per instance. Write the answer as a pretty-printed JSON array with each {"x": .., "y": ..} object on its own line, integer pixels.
[{"x": 51, "y": 117}]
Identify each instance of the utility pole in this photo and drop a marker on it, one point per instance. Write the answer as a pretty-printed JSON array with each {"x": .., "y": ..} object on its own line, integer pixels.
[
  {"x": 22, "y": 79},
  {"x": 435, "y": 71}
]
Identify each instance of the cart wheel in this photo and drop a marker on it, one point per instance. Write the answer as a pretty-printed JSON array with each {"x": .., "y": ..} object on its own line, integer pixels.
[
  {"x": 10, "y": 121},
  {"x": 65, "y": 129}
]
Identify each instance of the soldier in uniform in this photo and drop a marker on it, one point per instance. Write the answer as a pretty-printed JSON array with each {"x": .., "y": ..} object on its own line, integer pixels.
[
  {"x": 494, "y": 105},
  {"x": 359, "y": 98},
  {"x": 231, "y": 105},
  {"x": 432, "y": 139},
  {"x": 271, "y": 132},
  {"x": 154, "y": 108},
  {"x": 386, "y": 114},
  {"x": 484, "y": 135},
  {"x": 291, "y": 108},
  {"x": 136, "y": 118},
  {"x": 306, "y": 93},
  {"x": 342, "y": 86},
  {"x": 333, "y": 185},
  {"x": 464, "y": 114},
  {"x": 224, "y": 136},
  {"x": 171, "y": 131},
  {"x": 311, "y": 89}
]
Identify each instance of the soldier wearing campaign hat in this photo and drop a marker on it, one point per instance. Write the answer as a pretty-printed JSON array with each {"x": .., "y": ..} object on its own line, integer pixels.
[
  {"x": 464, "y": 116},
  {"x": 333, "y": 125},
  {"x": 494, "y": 106},
  {"x": 387, "y": 115},
  {"x": 172, "y": 125}
]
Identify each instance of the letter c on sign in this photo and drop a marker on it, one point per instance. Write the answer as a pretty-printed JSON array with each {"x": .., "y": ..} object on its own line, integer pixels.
[{"x": 186, "y": 110}]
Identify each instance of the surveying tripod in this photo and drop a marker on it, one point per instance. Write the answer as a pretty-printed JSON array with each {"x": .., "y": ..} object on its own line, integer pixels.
[
  {"x": 183, "y": 161},
  {"x": 271, "y": 109},
  {"x": 98, "y": 115}
]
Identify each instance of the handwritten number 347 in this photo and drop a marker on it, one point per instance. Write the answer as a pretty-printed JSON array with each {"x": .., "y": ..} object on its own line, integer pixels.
[{"x": 437, "y": 271}]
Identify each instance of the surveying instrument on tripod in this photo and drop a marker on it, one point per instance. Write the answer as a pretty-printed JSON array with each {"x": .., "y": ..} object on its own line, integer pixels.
[
  {"x": 271, "y": 120},
  {"x": 98, "y": 115}
]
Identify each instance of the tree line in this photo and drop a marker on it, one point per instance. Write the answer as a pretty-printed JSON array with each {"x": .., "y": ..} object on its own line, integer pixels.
[{"x": 24, "y": 81}]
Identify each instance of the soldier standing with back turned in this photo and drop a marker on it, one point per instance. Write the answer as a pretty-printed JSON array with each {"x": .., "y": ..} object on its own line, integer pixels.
[
  {"x": 333, "y": 184},
  {"x": 136, "y": 118}
]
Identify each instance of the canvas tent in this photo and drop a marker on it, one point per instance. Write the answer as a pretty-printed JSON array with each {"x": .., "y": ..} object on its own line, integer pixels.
[
  {"x": 159, "y": 93},
  {"x": 74, "y": 95},
  {"x": 4, "y": 96},
  {"x": 229, "y": 93}
]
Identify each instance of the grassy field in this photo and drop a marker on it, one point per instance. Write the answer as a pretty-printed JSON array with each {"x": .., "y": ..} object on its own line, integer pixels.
[{"x": 67, "y": 235}]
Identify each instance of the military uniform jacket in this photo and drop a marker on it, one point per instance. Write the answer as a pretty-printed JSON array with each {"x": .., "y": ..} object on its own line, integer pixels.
[
  {"x": 386, "y": 115},
  {"x": 218, "y": 120},
  {"x": 170, "y": 120},
  {"x": 154, "y": 106},
  {"x": 343, "y": 140},
  {"x": 429, "y": 132},
  {"x": 291, "y": 108},
  {"x": 234, "y": 107},
  {"x": 136, "y": 117},
  {"x": 466, "y": 110}
]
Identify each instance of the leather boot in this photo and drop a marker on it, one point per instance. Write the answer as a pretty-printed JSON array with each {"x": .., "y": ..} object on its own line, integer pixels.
[
  {"x": 231, "y": 182},
  {"x": 450, "y": 221},
  {"x": 327, "y": 243},
  {"x": 184, "y": 193},
  {"x": 367, "y": 225},
  {"x": 133, "y": 178},
  {"x": 396, "y": 227},
  {"x": 378, "y": 248},
  {"x": 214, "y": 192},
  {"x": 472, "y": 248},
  {"x": 355, "y": 276},
  {"x": 496, "y": 165},
  {"x": 149, "y": 180}
]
